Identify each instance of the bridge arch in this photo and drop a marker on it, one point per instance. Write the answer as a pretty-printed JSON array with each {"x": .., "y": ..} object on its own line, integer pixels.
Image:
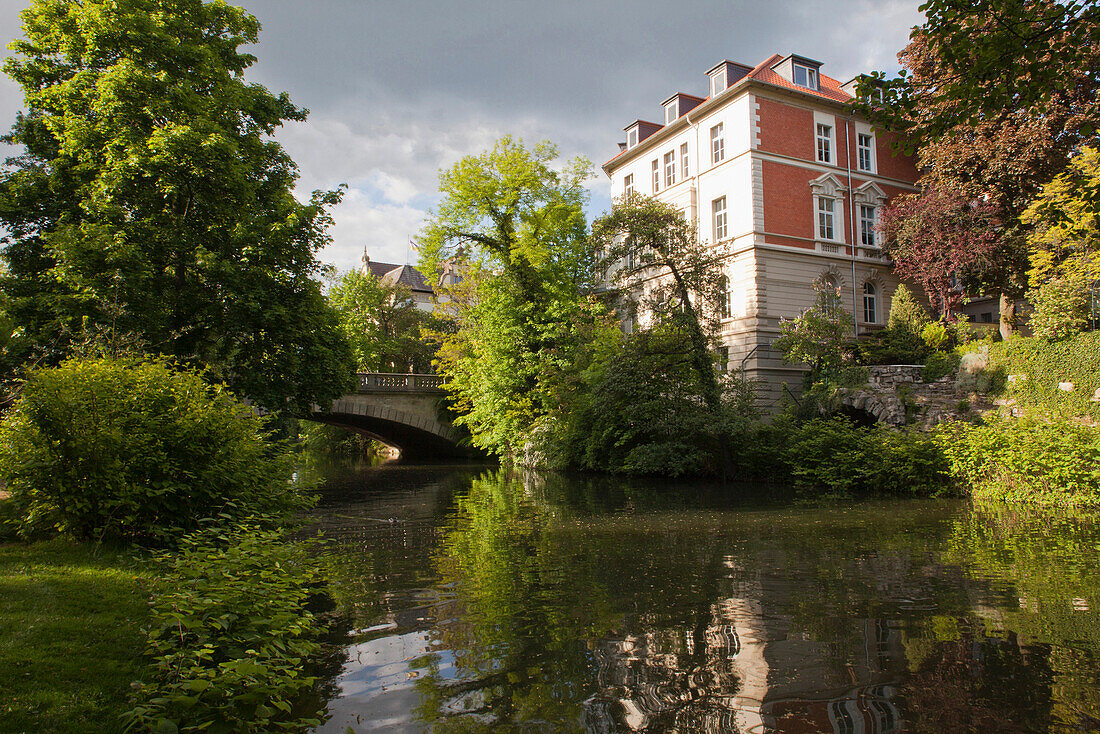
[{"x": 400, "y": 410}]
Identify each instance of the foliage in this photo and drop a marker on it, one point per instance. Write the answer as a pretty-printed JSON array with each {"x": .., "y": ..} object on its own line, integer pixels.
[
  {"x": 906, "y": 312},
  {"x": 1060, "y": 309},
  {"x": 684, "y": 277},
  {"x": 935, "y": 335},
  {"x": 72, "y": 615},
  {"x": 938, "y": 236},
  {"x": 641, "y": 410},
  {"x": 816, "y": 337},
  {"x": 833, "y": 455},
  {"x": 518, "y": 226},
  {"x": 1052, "y": 462},
  {"x": 996, "y": 95},
  {"x": 150, "y": 199},
  {"x": 324, "y": 441},
  {"x": 136, "y": 449},
  {"x": 1045, "y": 365},
  {"x": 1065, "y": 248},
  {"x": 232, "y": 637},
  {"x": 385, "y": 329},
  {"x": 940, "y": 364}
]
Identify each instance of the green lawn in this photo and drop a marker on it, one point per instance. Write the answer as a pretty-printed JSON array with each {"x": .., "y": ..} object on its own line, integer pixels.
[{"x": 70, "y": 635}]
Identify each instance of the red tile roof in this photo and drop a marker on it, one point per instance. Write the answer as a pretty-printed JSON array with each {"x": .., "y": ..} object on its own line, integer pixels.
[{"x": 828, "y": 88}]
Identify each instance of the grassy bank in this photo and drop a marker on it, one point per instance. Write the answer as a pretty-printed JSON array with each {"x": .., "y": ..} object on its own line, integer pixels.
[{"x": 70, "y": 635}]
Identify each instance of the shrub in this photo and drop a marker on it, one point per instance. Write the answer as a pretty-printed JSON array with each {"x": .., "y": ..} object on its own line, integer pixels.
[
  {"x": 1052, "y": 462},
  {"x": 906, "y": 312},
  {"x": 138, "y": 450},
  {"x": 1060, "y": 309},
  {"x": 233, "y": 636},
  {"x": 834, "y": 455},
  {"x": 939, "y": 364}
]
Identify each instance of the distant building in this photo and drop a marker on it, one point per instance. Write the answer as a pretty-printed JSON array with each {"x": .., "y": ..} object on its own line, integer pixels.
[
  {"x": 772, "y": 167},
  {"x": 423, "y": 294}
]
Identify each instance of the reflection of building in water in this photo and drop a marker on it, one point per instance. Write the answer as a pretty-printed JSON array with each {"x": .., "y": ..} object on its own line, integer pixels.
[{"x": 746, "y": 671}]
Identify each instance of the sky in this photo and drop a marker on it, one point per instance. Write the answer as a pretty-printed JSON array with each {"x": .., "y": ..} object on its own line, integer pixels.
[{"x": 401, "y": 89}]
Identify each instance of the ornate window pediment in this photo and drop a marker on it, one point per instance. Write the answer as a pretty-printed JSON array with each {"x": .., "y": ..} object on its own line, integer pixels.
[
  {"x": 869, "y": 193},
  {"x": 828, "y": 185}
]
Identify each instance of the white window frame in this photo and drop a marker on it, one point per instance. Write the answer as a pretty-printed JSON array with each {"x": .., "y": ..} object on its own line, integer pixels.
[
  {"x": 717, "y": 144},
  {"x": 725, "y": 305},
  {"x": 810, "y": 81},
  {"x": 826, "y": 218},
  {"x": 870, "y": 303},
  {"x": 684, "y": 170},
  {"x": 656, "y": 167},
  {"x": 670, "y": 169},
  {"x": 631, "y": 137},
  {"x": 865, "y": 158},
  {"x": 719, "y": 219},
  {"x": 717, "y": 82},
  {"x": 672, "y": 111},
  {"x": 628, "y": 184},
  {"x": 824, "y": 145},
  {"x": 867, "y": 225}
]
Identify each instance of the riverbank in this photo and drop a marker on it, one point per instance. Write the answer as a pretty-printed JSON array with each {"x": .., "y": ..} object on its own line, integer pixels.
[{"x": 71, "y": 628}]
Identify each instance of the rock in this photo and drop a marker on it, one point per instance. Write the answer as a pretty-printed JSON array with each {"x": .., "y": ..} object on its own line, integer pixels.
[{"x": 1065, "y": 386}]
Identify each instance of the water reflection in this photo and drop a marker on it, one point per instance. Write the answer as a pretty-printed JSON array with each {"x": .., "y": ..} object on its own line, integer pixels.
[{"x": 505, "y": 602}]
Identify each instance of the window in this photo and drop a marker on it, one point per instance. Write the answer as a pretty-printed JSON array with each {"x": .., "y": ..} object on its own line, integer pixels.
[
  {"x": 628, "y": 185},
  {"x": 870, "y": 304},
  {"x": 684, "y": 161},
  {"x": 723, "y": 359},
  {"x": 831, "y": 291},
  {"x": 867, "y": 225},
  {"x": 717, "y": 144},
  {"x": 672, "y": 112},
  {"x": 656, "y": 166},
  {"x": 825, "y": 215},
  {"x": 864, "y": 144},
  {"x": 824, "y": 143},
  {"x": 632, "y": 138},
  {"x": 804, "y": 76},
  {"x": 718, "y": 83},
  {"x": 718, "y": 207},
  {"x": 725, "y": 305},
  {"x": 631, "y": 259},
  {"x": 670, "y": 168}
]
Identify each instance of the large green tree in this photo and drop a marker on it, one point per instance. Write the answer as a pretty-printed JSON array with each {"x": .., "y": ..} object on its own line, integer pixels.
[
  {"x": 995, "y": 95},
  {"x": 149, "y": 198},
  {"x": 517, "y": 224}
]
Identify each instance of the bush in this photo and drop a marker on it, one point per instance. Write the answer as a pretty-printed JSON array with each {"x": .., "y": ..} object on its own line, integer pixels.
[
  {"x": 1046, "y": 364},
  {"x": 1060, "y": 309},
  {"x": 939, "y": 364},
  {"x": 137, "y": 450},
  {"x": 233, "y": 629},
  {"x": 834, "y": 455},
  {"x": 1051, "y": 462}
]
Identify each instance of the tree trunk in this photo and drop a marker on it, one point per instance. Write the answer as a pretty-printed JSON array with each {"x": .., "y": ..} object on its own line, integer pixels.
[{"x": 1008, "y": 316}]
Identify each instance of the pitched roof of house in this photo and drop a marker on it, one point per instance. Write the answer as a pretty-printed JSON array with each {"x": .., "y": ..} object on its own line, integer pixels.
[
  {"x": 828, "y": 88},
  {"x": 407, "y": 276}
]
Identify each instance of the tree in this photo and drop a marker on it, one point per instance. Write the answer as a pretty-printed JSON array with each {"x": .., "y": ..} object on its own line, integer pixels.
[
  {"x": 385, "y": 329},
  {"x": 150, "y": 199},
  {"x": 654, "y": 238},
  {"x": 518, "y": 226},
  {"x": 817, "y": 336},
  {"x": 995, "y": 96},
  {"x": 1064, "y": 248},
  {"x": 943, "y": 241}
]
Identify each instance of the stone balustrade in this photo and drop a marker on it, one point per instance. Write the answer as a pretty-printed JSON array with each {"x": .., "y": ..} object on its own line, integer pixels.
[{"x": 399, "y": 382}]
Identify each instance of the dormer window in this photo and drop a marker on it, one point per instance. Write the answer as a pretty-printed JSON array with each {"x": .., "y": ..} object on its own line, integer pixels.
[
  {"x": 632, "y": 138},
  {"x": 718, "y": 82},
  {"x": 805, "y": 76},
  {"x": 672, "y": 111}
]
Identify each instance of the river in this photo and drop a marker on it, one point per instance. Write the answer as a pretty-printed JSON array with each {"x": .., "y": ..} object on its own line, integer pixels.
[{"x": 495, "y": 601}]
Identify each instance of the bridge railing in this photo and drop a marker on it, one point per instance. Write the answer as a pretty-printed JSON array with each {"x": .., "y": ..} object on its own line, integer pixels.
[{"x": 399, "y": 382}]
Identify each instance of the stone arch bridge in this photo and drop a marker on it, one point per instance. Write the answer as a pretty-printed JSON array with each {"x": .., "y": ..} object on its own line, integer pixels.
[{"x": 401, "y": 410}]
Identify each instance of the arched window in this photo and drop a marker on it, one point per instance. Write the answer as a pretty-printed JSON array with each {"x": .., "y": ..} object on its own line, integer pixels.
[
  {"x": 870, "y": 303},
  {"x": 725, "y": 302}
]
